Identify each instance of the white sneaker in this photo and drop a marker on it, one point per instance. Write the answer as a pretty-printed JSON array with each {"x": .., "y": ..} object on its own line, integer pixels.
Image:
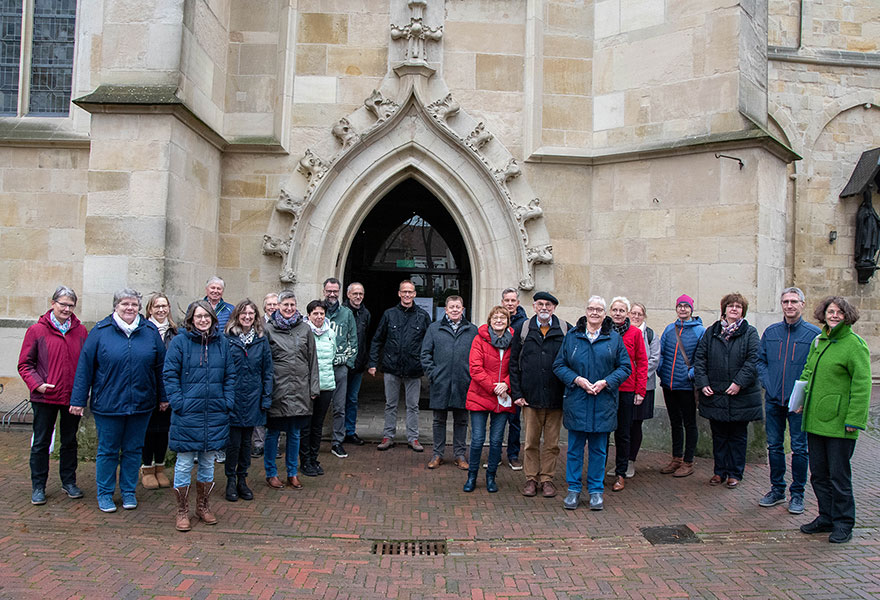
[
  {"x": 612, "y": 472},
  {"x": 630, "y": 470}
]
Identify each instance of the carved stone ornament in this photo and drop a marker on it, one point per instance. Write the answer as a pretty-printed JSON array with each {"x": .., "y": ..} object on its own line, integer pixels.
[
  {"x": 479, "y": 137},
  {"x": 531, "y": 211},
  {"x": 312, "y": 166},
  {"x": 510, "y": 171},
  {"x": 540, "y": 255},
  {"x": 275, "y": 246},
  {"x": 416, "y": 33},
  {"x": 444, "y": 108},
  {"x": 344, "y": 133},
  {"x": 381, "y": 107},
  {"x": 287, "y": 275}
]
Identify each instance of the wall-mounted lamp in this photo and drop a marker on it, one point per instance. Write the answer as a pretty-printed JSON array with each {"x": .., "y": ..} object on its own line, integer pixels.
[{"x": 832, "y": 236}]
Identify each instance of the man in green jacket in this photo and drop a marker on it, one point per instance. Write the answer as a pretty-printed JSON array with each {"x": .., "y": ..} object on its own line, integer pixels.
[{"x": 342, "y": 321}]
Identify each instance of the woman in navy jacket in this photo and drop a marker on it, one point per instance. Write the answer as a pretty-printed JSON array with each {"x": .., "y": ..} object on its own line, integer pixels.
[
  {"x": 200, "y": 380},
  {"x": 253, "y": 393},
  {"x": 121, "y": 364},
  {"x": 592, "y": 363}
]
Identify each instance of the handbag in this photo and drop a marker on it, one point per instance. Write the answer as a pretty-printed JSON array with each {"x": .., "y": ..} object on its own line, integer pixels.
[{"x": 686, "y": 362}]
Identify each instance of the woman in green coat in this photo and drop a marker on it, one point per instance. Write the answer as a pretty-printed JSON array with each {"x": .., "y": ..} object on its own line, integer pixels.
[
  {"x": 838, "y": 376},
  {"x": 325, "y": 348}
]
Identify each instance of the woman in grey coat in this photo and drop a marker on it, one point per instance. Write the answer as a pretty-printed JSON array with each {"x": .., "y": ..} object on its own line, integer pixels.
[{"x": 444, "y": 357}]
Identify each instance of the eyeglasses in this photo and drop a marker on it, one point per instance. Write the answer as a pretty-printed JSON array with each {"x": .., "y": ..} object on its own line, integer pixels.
[
  {"x": 591, "y": 309},
  {"x": 408, "y": 292},
  {"x": 201, "y": 317},
  {"x": 65, "y": 305}
]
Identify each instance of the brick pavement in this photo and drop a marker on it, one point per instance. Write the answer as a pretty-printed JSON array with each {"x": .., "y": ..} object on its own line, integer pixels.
[{"x": 315, "y": 543}]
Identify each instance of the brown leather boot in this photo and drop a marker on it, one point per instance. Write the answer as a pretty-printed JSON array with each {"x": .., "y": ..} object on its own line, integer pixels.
[
  {"x": 181, "y": 495},
  {"x": 163, "y": 480},
  {"x": 673, "y": 466},
  {"x": 686, "y": 468},
  {"x": 203, "y": 511},
  {"x": 148, "y": 478}
]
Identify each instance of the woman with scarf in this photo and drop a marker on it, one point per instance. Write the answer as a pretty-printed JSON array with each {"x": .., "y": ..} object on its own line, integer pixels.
[
  {"x": 253, "y": 393},
  {"x": 294, "y": 389},
  {"x": 200, "y": 381},
  {"x": 592, "y": 363},
  {"x": 121, "y": 365},
  {"x": 726, "y": 374},
  {"x": 645, "y": 410},
  {"x": 153, "y": 476},
  {"x": 325, "y": 347},
  {"x": 488, "y": 394},
  {"x": 632, "y": 391}
]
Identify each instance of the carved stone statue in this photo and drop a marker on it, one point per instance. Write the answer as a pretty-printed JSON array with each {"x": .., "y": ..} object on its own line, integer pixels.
[
  {"x": 416, "y": 33},
  {"x": 510, "y": 171},
  {"x": 380, "y": 106},
  {"x": 867, "y": 237},
  {"x": 479, "y": 137},
  {"x": 275, "y": 246},
  {"x": 344, "y": 133},
  {"x": 312, "y": 166},
  {"x": 444, "y": 108},
  {"x": 540, "y": 254},
  {"x": 532, "y": 211}
]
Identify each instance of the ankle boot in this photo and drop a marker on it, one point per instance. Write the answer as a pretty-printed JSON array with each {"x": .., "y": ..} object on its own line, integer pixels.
[
  {"x": 244, "y": 492},
  {"x": 231, "y": 489},
  {"x": 471, "y": 483},
  {"x": 686, "y": 468},
  {"x": 673, "y": 466},
  {"x": 163, "y": 480},
  {"x": 491, "y": 486},
  {"x": 148, "y": 478},
  {"x": 203, "y": 510},
  {"x": 181, "y": 496}
]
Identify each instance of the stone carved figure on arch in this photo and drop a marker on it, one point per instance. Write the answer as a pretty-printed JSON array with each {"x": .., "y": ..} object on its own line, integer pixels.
[
  {"x": 510, "y": 171},
  {"x": 479, "y": 137},
  {"x": 444, "y": 108},
  {"x": 381, "y": 107},
  {"x": 540, "y": 255},
  {"x": 275, "y": 246},
  {"x": 531, "y": 211},
  {"x": 345, "y": 133},
  {"x": 312, "y": 166}
]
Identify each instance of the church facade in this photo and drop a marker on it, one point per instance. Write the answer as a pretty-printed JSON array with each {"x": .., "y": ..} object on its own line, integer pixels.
[{"x": 645, "y": 148}]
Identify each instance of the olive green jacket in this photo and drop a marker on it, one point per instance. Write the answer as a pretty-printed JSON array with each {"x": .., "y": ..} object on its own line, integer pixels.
[{"x": 838, "y": 376}]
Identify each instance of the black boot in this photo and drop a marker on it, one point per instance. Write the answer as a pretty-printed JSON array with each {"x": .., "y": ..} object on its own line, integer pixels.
[
  {"x": 244, "y": 492},
  {"x": 306, "y": 468},
  {"x": 471, "y": 484},
  {"x": 231, "y": 492},
  {"x": 491, "y": 486}
]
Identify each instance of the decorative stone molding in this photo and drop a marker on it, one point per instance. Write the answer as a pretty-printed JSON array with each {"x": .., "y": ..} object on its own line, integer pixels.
[
  {"x": 287, "y": 275},
  {"x": 478, "y": 138},
  {"x": 526, "y": 213},
  {"x": 444, "y": 108},
  {"x": 344, "y": 133},
  {"x": 540, "y": 255},
  {"x": 291, "y": 205},
  {"x": 510, "y": 171},
  {"x": 416, "y": 33},
  {"x": 275, "y": 246},
  {"x": 380, "y": 106}
]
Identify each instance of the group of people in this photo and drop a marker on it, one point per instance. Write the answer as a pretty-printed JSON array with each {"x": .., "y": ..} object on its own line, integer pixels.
[{"x": 233, "y": 380}]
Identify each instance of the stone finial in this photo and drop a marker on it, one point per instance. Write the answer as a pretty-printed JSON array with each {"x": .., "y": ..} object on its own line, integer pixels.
[
  {"x": 275, "y": 246},
  {"x": 344, "y": 133},
  {"x": 416, "y": 33},
  {"x": 540, "y": 255},
  {"x": 312, "y": 166},
  {"x": 510, "y": 171},
  {"x": 287, "y": 275},
  {"x": 444, "y": 108},
  {"x": 380, "y": 106},
  {"x": 479, "y": 137},
  {"x": 531, "y": 211}
]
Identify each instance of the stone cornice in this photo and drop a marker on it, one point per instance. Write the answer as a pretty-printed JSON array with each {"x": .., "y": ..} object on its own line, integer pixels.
[
  {"x": 138, "y": 99},
  {"x": 24, "y": 132},
  {"x": 833, "y": 58}
]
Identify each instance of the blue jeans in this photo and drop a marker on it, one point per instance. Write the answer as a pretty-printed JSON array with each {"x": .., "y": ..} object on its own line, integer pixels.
[
  {"x": 291, "y": 451},
  {"x": 120, "y": 443},
  {"x": 351, "y": 401},
  {"x": 478, "y": 437},
  {"x": 776, "y": 417},
  {"x": 184, "y": 466},
  {"x": 574, "y": 463}
]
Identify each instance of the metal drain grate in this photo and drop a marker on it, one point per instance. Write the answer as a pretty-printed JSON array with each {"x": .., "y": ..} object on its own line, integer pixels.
[
  {"x": 670, "y": 534},
  {"x": 409, "y": 547}
]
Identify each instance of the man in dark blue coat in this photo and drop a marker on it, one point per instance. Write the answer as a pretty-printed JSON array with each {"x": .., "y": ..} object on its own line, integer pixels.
[{"x": 510, "y": 301}]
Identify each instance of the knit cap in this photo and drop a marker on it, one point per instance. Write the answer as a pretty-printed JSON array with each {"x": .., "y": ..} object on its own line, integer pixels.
[{"x": 685, "y": 299}]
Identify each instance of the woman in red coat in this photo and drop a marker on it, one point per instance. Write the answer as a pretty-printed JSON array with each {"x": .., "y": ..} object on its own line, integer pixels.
[
  {"x": 47, "y": 364},
  {"x": 488, "y": 393}
]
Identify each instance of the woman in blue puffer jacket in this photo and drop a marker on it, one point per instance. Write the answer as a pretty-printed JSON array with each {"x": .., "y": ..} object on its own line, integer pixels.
[
  {"x": 253, "y": 393},
  {"x": 199, "y": 379}
]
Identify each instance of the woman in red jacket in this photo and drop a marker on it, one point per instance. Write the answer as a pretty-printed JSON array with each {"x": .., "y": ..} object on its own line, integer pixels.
[
  {"x": 488, "y": 393},
  {"x": 47, "y": 364},
  {"x": 632, "y": 391}
]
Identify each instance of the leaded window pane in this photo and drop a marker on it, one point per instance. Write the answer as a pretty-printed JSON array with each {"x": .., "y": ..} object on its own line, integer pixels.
[
  {"x": 52, "y": 58},
  {"x": 10, "y": 49}
]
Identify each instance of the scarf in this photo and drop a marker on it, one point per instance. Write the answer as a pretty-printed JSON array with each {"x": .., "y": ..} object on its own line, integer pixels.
[
  {"x": 62, "y": 327},
  {"x": 162, "y": 327},
  {"x": 125, "y": 327},
  {"x": 319, "y": 330},
  {"x": 285, "y": 324},
  {"x": 454, "y": 324},
  {"x": 500, "y": 342},
  {"x": 728, "y": 329},
  {"x": 331, "y": 308},
  {"x": 248, "y": 338},
  {"x": 621, "y": 329}
]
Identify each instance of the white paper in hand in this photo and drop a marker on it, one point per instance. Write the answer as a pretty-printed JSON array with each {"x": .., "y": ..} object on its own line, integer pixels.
[{"x": 796, "y": 401}]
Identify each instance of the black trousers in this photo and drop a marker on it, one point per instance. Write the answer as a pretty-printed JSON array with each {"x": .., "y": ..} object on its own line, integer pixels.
[
  {"x": 682, "y": 411},
  {"x": 729, "y": 442},
  {"x": 238, "y": 451},
  {"x": 310, "y": 442},
  {"x": 622, "y": 434},
  {"x": 44, "y": 424},
  {"x": 155, "y": 448},
  {"x": 831, "y": 476}
]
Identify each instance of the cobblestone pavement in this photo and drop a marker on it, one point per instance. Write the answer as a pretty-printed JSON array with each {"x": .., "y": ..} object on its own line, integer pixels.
[{"x": 316, "y": 542}]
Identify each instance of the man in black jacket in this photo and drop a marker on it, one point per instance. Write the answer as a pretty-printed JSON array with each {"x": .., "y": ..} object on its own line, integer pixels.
[
  {"x": 355, "y": 302},
  {"x": 398, "y": 340},
  {"x": 535, "y": 388}
]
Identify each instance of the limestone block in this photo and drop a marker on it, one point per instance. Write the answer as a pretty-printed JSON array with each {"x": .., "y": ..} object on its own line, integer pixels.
[
  {"x": 146, "y": 275},
  {"x": 254, "y": 15},
  {"x": 66, "y": 245},
  {"x": 499, "y": 72},
  {"x": 678, "y": 250},
  {"x": 499, "y": 38},
  {"x": 671, "y": 60},
  {"x": 490, "y": 11},
  {"x": 251, "y": 93},
  {"x": 636, "y": 282},
  {"x": 311, "y": 59},
  {"x": 614, "y": 225},
  {"x": 607, "y": 18},
  {"x": 26, "y": 307},
  {"x": 24, "y": 243},
  {"x": 639, "y": 14},
  {"x": 322, "y": 28},
  {"x": 718, "y": 280},
  {"x": 357, "y": 61},
  {"x": 257, "y": 59},
  {"x": 125, "y": 236},
  {"x": 568, "y": 17},
  {"x": 721, "y": 57},
  {"x": 148, "y": 194},
  {"x": 718, "y": 221},
  {"x": 105, "y": 274},
  {"x": 656, "y": 223},
  {"x": 163, "y": 46},
  {"x": 320, "y": 114},
  {"x": 608, "y": 111},
  {"x": 61, "y": 159},
  {"x": 27, "y": 180},
  {"x": 124, "y": 46},
  {"x": 566, "y": 112},
  {"x": 568, "y": 46},
  {"x": 229, "y": 255},
  {"x": 368, "y": 30},
  {"x": 565, "y": 76},
  {"x": 119, "y": 155},
  {"x": 314, "y": 90},
  {"x": 244, "y": 186}
]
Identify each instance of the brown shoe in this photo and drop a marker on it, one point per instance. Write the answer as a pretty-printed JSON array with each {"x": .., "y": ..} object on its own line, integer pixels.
[
  {"x": 435, "y": 462},
  {"x": 686, "y": 468},
  {"x": 274, "y": 482},
  {"x": 294, "y": 483},
  {"x": 531, "y": 488},
  {"x": 163, "y": 480},
  {"x": 203, "y": 509},
  {"x": 732, "y": 483},
  {"x": 673, "y": 466},
  {"x": 148, "y": 478},
  {"x": 619, "y": 484},
  {"x": 461, "y": 463},
  {"x": 549, "y": 489},
  {"x": 716, "y": 480},
  {"x": 181, "y": 496}
]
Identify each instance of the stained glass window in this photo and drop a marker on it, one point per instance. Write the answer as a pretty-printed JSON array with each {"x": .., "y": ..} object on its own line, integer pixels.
[
  {"x": 52, "y": 57},
  {"x": 10, "y": 50}
]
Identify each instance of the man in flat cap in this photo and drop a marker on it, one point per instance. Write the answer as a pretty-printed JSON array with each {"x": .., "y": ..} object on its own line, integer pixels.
[{"x": 539, "y": 392}]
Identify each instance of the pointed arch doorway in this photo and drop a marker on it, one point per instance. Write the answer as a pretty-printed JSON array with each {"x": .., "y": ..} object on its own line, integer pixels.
[{"x": 409, "y": 234}]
